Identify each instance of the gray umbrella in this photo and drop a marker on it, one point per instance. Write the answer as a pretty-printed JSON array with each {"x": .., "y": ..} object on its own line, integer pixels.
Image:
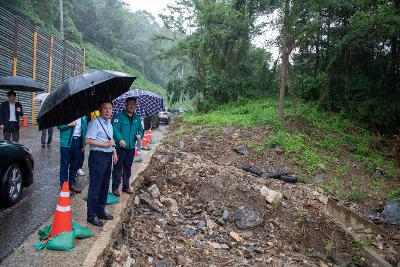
[
  {"x": 80, "y": 95},
  {"x": 18, "y": 83}
]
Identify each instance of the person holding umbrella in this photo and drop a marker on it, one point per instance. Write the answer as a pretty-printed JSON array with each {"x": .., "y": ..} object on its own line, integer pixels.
[
  {"x": 10, "y": 112},
  {"x": 72, "y": 140},
  {"x": 101, "y": 157},
  {"x": 128, "y": 129}
]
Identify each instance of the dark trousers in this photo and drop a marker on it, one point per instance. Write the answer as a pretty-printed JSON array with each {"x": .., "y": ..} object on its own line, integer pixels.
[
  {"x": 49, "y": 132},
  {"x": 81, "y": 159},
  {"x": 99, "y": 181},
  {"x": 125, "y": 160},
  {"x": 12, "y": 129},
  {"x": 69, "y": 161}
]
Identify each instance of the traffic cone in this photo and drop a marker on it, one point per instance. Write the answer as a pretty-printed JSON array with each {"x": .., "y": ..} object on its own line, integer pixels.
[
  {"x": 60, "y": 234},
  {"x": 144, "y": 142},
  {"x": 150, "y": 136},
  {"x": 62, "y": 220}
]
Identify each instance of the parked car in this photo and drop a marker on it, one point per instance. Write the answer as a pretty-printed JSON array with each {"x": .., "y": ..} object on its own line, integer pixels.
[
  {"x": 152, "y": 121},
  {"x": 16, "y": 171},
  {"x": 164, "y": 116}
]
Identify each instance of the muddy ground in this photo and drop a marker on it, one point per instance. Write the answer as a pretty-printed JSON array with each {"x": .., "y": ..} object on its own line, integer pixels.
[{"x": 195, "y": 206}]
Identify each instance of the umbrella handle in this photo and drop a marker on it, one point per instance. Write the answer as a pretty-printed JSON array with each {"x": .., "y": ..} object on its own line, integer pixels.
[{"x": 108, "y": 137}]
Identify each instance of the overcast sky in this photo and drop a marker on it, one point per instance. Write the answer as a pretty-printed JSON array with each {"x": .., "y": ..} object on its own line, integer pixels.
[{"x": 156, "y": 7}]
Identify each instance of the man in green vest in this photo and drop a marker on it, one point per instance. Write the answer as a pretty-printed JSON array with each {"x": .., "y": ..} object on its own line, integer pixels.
[
  {"x": 127, "y": 128},
  {"x": 72, "y": 140}
]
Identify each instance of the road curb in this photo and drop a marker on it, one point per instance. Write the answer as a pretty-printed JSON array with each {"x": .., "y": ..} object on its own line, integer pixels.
[{"x": 103, "y": 243}]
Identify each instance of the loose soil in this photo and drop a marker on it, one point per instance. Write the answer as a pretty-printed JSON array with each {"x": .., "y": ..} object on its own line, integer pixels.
[{"x": 199, "y": 170}]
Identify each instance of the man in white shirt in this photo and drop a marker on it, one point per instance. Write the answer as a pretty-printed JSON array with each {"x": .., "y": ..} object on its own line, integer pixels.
[{"x": 10, "y": 112}]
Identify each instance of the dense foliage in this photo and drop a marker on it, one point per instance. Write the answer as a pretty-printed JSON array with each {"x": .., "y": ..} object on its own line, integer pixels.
[
  {"x": 344, "y": 55},
  {"x": 223, "y": 64}
]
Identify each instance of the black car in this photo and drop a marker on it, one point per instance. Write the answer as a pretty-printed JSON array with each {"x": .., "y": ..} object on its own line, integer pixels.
[{"x": 16, "y": 171}]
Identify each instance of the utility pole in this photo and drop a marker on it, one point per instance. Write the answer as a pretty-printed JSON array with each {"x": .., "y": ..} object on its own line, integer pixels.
[{"x": 61, "y": 20}]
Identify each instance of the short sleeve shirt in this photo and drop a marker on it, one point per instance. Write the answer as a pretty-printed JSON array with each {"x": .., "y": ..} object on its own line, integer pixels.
[{"x": 100, "y": 129}]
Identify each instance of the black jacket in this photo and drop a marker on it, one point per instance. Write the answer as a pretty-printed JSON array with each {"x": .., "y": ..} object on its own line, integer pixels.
[{"x": 5, "y": 113}]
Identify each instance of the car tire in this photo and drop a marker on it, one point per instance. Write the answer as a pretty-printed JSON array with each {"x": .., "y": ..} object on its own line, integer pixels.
[{"x": 11, "y": 185}]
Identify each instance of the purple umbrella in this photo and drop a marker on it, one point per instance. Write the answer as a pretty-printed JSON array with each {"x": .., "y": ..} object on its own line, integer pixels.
[{"x": 147, "y": 103}]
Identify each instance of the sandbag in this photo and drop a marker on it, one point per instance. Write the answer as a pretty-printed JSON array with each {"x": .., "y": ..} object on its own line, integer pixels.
[
  {"x": 61, "y": 242},
  {"x": 80, "y": 231}
]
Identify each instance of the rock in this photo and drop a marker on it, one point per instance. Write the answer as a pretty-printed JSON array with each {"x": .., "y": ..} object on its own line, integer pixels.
[
  {"x": 137, "y": 200},
  {"x": 201, "y": 224},
  {"x": 150, "y": 203},
  {"x": 225, "y": 214},
  {"x": 190, "y": 231},
  {"x": 170, "y": 204},
  {"x": 181, "y": 144},
  {"x": 143, "y": 249},
  {"x": 235, "y": 135},
  {"x": 242, "y": 150},
  {"x": 319, "y": 255},
  {"x": 218, "y": 245},
  {"x": 247, "y": 219},
  {"x": 236, "y": 236},
  {"x": 372, "y": 215},
  {"x": 279, "y": 150},
  {"x": 163, "y": 158},
  {"x": 391, "y": 211},
  {"x": 319, "y": 178},
  {"x": 211, "y": 224},
  {"x": 342, "y": 259},
  {"x": 254, "y": 248},
  {"x": 275, "y": 175},
  {"x": 154, "y": 191},
  {"x": 270, "y": 195},
  {"x": 227, "y": 130},
  {"x": 254, "y": 170},
  {"x": 289, "y": 179},
  {"x": 378, "y": 173},
  {"x": 160, "y": 264}
]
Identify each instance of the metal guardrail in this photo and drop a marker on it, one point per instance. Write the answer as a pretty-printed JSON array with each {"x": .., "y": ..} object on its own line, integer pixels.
[{"x": 53, "y": 61}]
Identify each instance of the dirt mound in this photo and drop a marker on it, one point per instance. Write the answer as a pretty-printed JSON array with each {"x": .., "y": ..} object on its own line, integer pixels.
[{"x": 197, "y": 207}]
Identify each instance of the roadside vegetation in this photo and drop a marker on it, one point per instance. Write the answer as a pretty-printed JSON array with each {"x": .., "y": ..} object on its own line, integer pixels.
[{"x": 317, "y": 142}]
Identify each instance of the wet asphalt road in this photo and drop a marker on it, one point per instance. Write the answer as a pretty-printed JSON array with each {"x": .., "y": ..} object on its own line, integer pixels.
[{"x": 38, "y": 201}]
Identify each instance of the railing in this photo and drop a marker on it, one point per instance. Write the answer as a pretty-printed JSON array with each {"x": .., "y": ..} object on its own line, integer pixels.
[{"x": 30, "y": 51}]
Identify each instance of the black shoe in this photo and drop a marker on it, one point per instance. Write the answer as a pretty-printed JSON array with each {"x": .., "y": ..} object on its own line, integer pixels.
[
  {"x": 43, "y": 145},
  {"x": 48, "y": 144},
  {"x": 95, "y": 221},
  {"x": 105, "y": 216}
]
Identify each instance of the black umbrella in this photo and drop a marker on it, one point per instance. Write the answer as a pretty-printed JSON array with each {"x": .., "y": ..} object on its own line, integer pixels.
[
  {"x": 18, "y": 83},
  {"x": 80, "y": 95}
]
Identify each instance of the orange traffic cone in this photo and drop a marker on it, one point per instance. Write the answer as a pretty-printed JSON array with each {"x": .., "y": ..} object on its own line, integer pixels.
[
  {"x": 144, "y": 142},
  {"x": 62, "y": 220}
]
